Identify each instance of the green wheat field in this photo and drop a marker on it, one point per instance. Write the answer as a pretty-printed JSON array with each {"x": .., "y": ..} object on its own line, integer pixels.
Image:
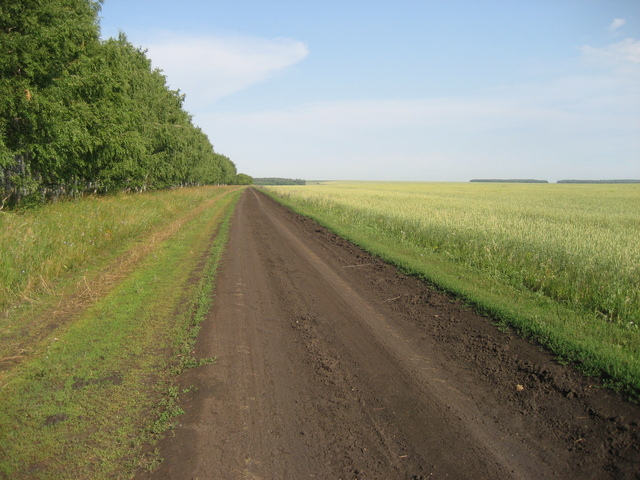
[{"x": 573, "y": 248}]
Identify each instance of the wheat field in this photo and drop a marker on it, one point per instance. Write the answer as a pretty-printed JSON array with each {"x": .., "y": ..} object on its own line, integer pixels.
[{"x": 576, "y": 244}]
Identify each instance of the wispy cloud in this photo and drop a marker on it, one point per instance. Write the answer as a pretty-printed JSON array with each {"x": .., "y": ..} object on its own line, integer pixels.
[
  {"x": 623, "y": 56},
  {"x": 520, "y": 130},
  {"x": 208, "y": 68},
  {"x": 473, "y": 137},
  {"x": 616, "y": 24}
]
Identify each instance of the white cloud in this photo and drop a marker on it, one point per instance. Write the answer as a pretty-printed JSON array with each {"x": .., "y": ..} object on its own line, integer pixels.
[
  {"x": 582, "y": 124},
  {"x": 624, "y": 56},
  {"x": 208, "y": 68},
  {"x": 341, "y": 119},
  {"x": 519, "y": 133},
  {"x": 616, "y": 24}
]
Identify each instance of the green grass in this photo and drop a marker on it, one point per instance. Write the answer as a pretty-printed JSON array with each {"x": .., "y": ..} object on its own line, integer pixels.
[
  {"x": 559, "y": 262},
  {"x": 40, "y": 245},
  {"x": 83, "y": 405}
]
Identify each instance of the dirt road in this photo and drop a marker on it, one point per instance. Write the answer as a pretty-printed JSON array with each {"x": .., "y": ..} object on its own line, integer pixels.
[{"x": 332, "y": 365}]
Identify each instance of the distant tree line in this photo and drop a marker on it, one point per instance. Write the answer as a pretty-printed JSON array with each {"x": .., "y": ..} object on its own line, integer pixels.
[
  {"x": 278, "y": 181},
  {"x": 510, "y": 181},
  {"x": 559, "y": 181},
  {"x": 598, "y": 181},
  {"x": 78, "y": 114}
]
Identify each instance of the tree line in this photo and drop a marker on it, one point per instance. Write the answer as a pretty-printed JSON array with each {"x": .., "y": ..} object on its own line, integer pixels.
[
  {"x": 559, "y": 181},
  {"x": 79, "y": 114},
  {"x": 599, "y": 181},
  {"x": 278, "y": 181},
  {"x": 512, "y": 180}
]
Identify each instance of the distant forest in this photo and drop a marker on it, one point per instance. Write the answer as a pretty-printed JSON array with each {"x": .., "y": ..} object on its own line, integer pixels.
[
  {"x": 509, "y": 181},
  {"x": 559, "y": 181},
  {"x": 278, "y": 181},
  {"x": 79, "y": 114},
  {"x": 598, "y": 181}
]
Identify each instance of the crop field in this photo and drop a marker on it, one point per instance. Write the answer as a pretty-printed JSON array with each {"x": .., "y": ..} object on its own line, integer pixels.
[{"x": 571, "y": 250}]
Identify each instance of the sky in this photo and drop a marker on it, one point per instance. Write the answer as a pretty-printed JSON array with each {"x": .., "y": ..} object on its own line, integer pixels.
[{"x": 403, "y": 90}]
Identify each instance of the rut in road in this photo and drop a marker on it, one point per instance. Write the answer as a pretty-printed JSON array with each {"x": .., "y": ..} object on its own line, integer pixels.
[{"x": 332, "y": 365}]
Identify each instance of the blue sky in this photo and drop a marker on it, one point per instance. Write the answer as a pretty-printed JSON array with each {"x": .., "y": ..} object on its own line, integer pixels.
[{"x": 431, "y": 90}]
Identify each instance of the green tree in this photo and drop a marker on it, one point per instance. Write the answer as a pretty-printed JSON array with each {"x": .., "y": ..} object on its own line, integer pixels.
[
  {"x": 41, "y": 43},
  {"x": 80, "y": 114},
  {"x": 243, "y": 179}
]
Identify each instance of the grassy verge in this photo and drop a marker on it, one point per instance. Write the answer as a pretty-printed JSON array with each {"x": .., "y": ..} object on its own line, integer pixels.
[
  {"x": 84, "y": 402},
  {"x": 37, "y": 247},
  {"x": 597, "y": 344}
]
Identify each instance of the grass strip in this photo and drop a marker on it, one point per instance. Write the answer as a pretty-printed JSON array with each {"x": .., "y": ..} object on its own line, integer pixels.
[
  {"x": 203, "y": 300},
  {"x": 596, "y": 347},
  {"x": 84, "y": 406},
  {"x": 41, "y": 245}
]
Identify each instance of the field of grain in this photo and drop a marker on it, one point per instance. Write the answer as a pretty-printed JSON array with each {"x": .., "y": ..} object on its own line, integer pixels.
[
  {"x": 574, "y": 246},
  {"x": 577, "y": 244}
]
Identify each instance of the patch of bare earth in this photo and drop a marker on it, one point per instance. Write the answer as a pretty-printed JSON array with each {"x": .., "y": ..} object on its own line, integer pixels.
[{"x": 333, "y": 365}]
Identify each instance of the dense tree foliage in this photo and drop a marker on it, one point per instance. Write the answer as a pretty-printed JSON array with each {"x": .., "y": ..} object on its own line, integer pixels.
[
  {"x": 80, "y": 114},
  {"x": 243, "y": 179}
]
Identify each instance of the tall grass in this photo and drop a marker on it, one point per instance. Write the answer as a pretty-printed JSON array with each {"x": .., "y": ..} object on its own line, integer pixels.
[
  {"x": 104, "y": 385},
  {"x": 576, "y": 244},
  {"x": 39, "y": 246}
]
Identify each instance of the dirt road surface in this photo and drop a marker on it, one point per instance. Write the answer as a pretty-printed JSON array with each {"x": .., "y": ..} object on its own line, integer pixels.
[{"x": 333, "y": 365}]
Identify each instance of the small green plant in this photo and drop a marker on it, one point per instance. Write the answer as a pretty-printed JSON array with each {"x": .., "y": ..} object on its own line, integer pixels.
[
  {"x": 194, "y": 363},
  {"x": 150, "y": 461},
  {"x": 168, "y": 410}
]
